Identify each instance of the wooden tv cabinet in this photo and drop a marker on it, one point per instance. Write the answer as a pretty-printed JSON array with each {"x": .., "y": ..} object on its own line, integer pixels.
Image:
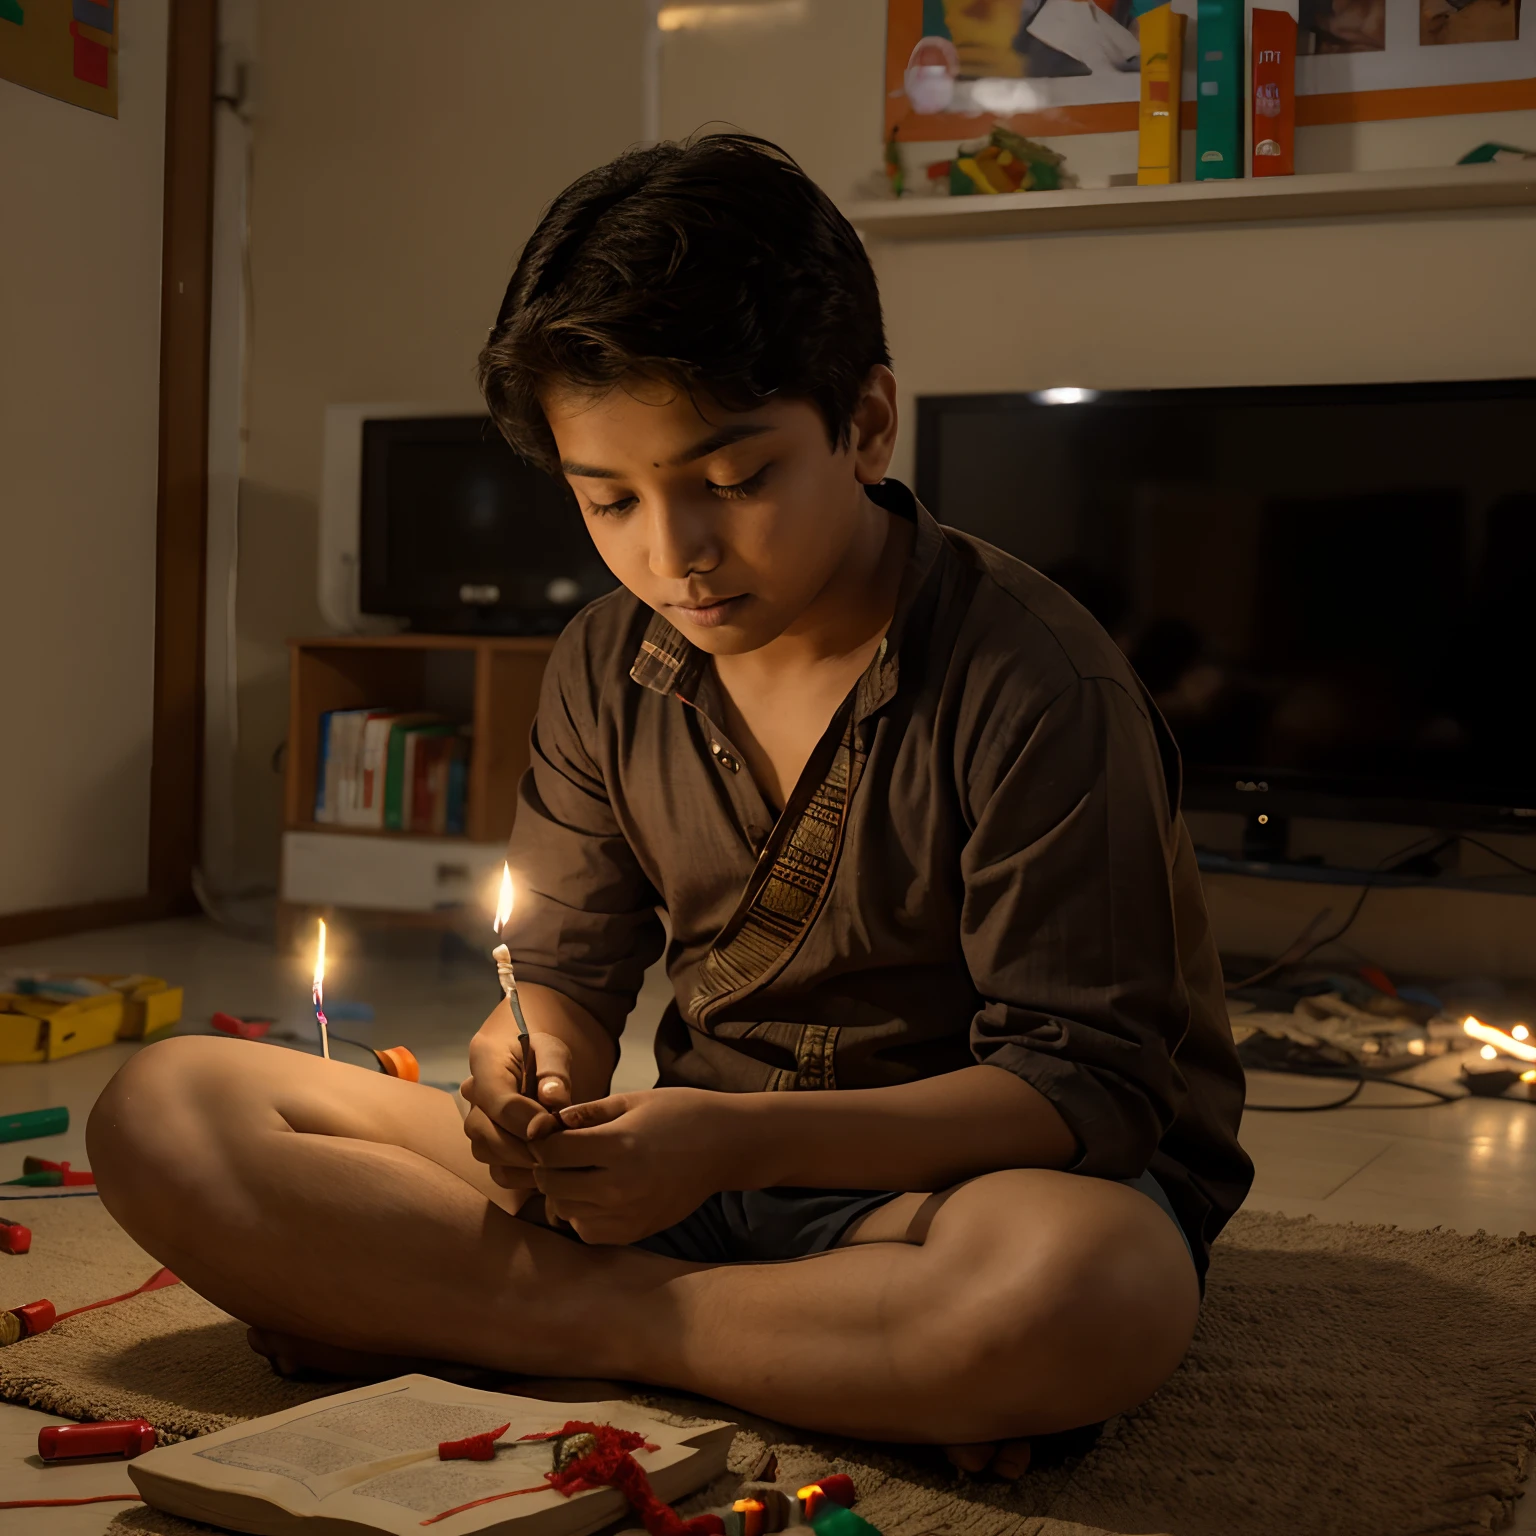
[{"x": 410, "y": 879}]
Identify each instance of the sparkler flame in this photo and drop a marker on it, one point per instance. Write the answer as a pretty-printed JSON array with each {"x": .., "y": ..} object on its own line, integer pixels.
[
  {"x": 504, "y": 900},
  {"x": 320, "y": 959},
  {"x": 1498, "y": 1040}
]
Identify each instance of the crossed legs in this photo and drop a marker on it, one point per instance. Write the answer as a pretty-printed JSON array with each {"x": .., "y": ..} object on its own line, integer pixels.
[{"x": 315, "y": 1200}]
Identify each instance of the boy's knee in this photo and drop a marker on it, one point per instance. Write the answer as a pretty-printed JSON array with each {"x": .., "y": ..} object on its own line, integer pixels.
[
  {"x": 1091, "y": 1300},
  {"x": 150, "y": 1111}
]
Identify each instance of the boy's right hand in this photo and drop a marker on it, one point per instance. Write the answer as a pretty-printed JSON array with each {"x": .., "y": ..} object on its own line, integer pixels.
[{"x": 501, "y": 1121}]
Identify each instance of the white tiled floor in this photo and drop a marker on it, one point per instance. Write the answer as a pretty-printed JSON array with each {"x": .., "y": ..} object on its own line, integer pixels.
[{"x": 1464, "y": 1166}]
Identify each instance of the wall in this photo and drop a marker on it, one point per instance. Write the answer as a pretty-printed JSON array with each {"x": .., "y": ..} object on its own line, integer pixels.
[
  {"x": 1434, "y": 297},
  {"x": 398, "y": 167},
  {"x": 79, "y": 454}
]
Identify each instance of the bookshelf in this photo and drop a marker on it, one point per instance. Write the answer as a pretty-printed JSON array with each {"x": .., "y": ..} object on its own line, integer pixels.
[
  {"x": 408, "y": 879},
  {"x": 1247, "y": 200}
]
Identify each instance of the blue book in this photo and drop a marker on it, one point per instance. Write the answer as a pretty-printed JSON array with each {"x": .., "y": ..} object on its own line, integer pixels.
[
  {"x": 322, "y": 759},
  {"x": 458, "y": 770}
]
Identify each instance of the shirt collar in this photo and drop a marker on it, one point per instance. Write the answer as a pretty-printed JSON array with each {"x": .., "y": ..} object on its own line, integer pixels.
[{"x": 668, "y": 663}]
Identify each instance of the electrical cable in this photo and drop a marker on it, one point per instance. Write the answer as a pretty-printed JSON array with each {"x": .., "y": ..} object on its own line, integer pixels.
[
  {"x": 1301, "y": 949},
  {"x": 1477, "y": 842},
  {"x": 1361, "y": 1079}
]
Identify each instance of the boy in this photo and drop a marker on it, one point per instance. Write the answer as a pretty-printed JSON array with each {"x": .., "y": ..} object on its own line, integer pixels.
[{"x": 948, "y": 1028}]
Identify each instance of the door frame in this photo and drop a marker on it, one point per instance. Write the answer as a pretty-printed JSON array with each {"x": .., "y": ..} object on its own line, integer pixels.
[{"x": 181, "y": 516}]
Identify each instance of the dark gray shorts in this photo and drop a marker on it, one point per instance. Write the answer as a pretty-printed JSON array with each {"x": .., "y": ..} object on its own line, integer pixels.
[{"x": 755, "y": 1226}]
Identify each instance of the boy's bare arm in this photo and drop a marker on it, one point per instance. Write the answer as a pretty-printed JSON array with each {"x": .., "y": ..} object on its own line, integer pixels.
[
  {"x": 926, "y": 1135},
  {"x": 634, "y": 1163}
]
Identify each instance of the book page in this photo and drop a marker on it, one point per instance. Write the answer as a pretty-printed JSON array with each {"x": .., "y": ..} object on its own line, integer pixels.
[{"x": 371, "y": 1456}]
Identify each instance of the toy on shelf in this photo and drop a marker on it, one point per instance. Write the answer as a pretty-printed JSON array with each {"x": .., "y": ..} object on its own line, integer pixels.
[{"x": 1002, "y": 162}]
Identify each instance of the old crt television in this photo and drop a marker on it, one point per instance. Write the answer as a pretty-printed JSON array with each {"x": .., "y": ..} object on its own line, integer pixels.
[
  {"x": 457, "y": 533},
  {"x": 1330, "y": 592}
]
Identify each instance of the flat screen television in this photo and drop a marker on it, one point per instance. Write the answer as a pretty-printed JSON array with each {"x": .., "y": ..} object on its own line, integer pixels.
[
  {"x": 1329, "y": 591},
  {"x": 457, "y": 533}
]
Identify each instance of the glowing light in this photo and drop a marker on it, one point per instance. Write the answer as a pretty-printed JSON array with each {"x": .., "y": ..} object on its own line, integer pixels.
[
  {"x": 1416, "y": 1047},
  {"x": 1488, "y": 1053},
  {"x": 317, "y": 992},
  {"x": 1496, "y": 1038},
  {"x": 693, "y": 18},
  {"x": 1520, "y": 1032},
  {"x": 504, "y": 900},
  {"x": 1064, "y": 395},
  {"x": 1529, "y": 1076}
]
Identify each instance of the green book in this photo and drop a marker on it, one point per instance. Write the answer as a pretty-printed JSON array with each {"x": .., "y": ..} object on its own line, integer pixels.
[
  {"x": 395, "y": 791},
  {"x": 1219, "y": 76}
]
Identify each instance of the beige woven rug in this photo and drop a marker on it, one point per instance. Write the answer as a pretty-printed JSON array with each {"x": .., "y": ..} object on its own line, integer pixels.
[{"x": 1345, "y": 1381}]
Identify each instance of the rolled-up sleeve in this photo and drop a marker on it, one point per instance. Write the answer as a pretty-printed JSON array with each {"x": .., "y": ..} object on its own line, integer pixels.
[
  {"x": 1068, "y": 921},
  {"x": 585, "y": 921}
]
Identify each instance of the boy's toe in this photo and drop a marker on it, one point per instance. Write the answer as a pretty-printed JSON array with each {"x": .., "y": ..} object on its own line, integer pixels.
[
  {"x": 1012, "y": 1459},
  {"x": 971, "y": 1458}
]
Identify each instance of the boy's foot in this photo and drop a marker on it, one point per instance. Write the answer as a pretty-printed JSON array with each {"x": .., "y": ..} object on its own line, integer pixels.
[
  {"x": 290, "y": 1355},
  {"x": 1006, "y": 1458}
]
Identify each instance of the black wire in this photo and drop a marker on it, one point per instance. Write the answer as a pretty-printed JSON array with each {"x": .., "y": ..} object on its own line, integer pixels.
[
  {"x": 1361, "y": 1079},
  {"x": 1477, "y": 842},
  {"x": 1292, "y": 956}
]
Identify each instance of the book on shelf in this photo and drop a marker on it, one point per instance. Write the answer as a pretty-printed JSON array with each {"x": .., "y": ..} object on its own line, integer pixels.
[
  {"x": 394, "y": 770},
  {"x": 368, "y": 1460}
]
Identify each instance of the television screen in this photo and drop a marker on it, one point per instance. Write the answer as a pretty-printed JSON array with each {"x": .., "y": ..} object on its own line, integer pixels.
[
  {"x": 457, "y": 532},
  {"x": 1326, "y": 590}
]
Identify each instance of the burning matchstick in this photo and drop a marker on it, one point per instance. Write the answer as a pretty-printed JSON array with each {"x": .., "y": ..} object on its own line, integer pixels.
[
  {"x": 503, "y": 957},
  {"x": 318, "y": 993}
]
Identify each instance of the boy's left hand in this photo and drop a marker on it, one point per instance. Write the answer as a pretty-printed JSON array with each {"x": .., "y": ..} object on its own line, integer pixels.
[{"x": 631, "y": 1164}]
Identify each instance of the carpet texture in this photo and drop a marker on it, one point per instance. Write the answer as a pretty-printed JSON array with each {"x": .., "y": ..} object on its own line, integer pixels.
[{"x": 1344, "y": 1379}]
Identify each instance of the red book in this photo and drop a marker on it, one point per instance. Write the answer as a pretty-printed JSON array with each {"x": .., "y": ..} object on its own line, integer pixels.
[{"x": 1274, "y": 93}]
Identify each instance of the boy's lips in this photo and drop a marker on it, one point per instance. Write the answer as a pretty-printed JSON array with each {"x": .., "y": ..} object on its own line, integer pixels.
[{"x": 709, "y": 614}]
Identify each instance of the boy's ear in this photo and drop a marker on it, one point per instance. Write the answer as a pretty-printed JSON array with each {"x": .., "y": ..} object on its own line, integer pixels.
[{"x": 872, "y": 433}]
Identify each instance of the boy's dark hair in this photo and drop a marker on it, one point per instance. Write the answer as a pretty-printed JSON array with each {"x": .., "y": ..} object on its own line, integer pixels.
[{"x": 716, "y": 265}]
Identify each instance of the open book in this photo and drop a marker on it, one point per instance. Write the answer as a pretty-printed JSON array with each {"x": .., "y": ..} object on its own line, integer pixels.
[{"x": 367, "y": 1461}]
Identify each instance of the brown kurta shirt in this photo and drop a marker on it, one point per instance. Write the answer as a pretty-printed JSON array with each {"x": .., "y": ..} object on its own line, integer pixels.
[{"x": 983, "y": 862}]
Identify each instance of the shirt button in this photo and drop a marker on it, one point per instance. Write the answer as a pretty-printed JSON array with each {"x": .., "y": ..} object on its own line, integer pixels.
[
  {"x": 714, "y": 747},
  {"x": 727, "y": 761}
]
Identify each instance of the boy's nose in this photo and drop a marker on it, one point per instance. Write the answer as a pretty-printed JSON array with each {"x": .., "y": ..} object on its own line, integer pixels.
[{"x": 682, "y": 542}]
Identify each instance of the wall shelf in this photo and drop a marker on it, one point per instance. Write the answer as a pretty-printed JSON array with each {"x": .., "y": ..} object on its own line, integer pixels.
[{"x": 1342, "y": 193}]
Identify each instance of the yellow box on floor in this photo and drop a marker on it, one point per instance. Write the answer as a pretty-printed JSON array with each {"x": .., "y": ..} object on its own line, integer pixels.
[
  {"x": 35, "y": 1029},
  {"x": 150, "y": 1005}
]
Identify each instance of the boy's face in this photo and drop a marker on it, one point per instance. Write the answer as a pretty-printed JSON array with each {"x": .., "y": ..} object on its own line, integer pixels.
[{"x": 729, "y": 524}]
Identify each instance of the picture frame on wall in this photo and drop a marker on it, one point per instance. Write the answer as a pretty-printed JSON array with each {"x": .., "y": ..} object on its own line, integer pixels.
[{"x": 954, "y": 68}]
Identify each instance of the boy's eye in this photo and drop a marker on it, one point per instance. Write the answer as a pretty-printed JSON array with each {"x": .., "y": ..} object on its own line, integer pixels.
[
  {"x": 742, "y": 489},
  {"x": 610, "y": 508}
]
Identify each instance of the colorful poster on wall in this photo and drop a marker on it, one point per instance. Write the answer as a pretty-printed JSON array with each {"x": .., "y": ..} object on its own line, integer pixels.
[
  {"x": 63, "y": 48},
  {"x": 954, "y": 68}
]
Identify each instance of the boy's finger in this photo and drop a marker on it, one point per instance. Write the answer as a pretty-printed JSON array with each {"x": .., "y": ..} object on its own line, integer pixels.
[
  {"x": 572, "y": 1148},
  {"x": 492, "y": 1144},
  {"x": 553, "y": 1057},
  {"x": 574, "y": 1186},
  {"x": 581, "y": 1117}
]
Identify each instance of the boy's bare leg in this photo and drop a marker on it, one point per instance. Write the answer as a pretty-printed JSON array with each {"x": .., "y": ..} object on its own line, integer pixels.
[{"x": 317, "y": 1200}]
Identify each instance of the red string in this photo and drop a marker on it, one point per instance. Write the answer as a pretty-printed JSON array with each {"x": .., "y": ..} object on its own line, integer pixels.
[
  {"x": 156, "y": 1282},
  {"x": 96, "y": 1498},
  {"x": 608, "y": 1465}
]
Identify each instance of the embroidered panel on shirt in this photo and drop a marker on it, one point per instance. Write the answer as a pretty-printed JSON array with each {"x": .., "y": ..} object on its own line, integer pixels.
[{"x": 790, "y": 896}]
